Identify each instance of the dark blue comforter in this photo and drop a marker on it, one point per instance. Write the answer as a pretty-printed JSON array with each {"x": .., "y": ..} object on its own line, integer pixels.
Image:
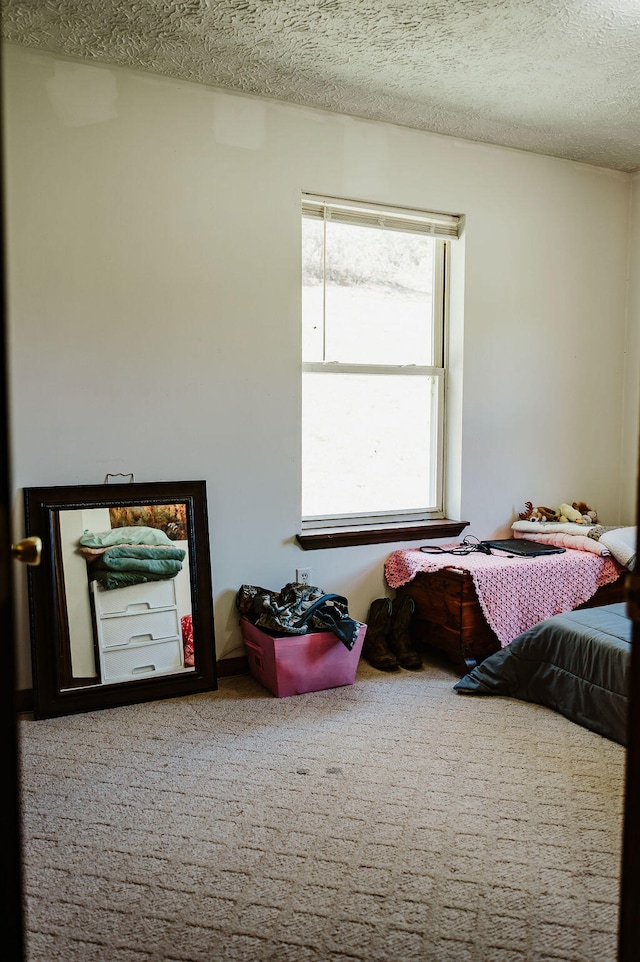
[{"x": 575, "y": 663}]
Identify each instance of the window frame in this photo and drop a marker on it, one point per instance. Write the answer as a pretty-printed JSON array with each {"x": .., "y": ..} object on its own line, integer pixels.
[{"x": 366, "y": 527}]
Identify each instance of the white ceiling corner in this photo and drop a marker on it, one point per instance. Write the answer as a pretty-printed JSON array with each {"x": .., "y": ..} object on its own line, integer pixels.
[{"x": 558, "y": 77}]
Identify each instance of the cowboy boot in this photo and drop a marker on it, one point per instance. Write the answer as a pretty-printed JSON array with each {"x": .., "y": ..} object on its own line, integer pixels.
[
  {"x": 399, "y": 638},
  {"x": 375, "y": 648}
]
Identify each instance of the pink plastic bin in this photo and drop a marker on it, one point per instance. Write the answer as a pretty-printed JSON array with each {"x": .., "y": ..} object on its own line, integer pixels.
[{"x": 295, "y": 664}]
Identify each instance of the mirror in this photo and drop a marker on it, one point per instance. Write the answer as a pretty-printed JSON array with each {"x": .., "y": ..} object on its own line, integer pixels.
[{"x": 120, "y": 606}]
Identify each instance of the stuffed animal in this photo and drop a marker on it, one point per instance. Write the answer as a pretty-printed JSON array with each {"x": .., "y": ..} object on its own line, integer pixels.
[
  {"x": 579, "y": 512},
  {"x": 589, "y": 516},
  {"x": 567, "y": 512},
  {"x": 536, "y": 514}
]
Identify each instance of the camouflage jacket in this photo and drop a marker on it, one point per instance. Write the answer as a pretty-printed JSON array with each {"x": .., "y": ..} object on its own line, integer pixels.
[{"x": 296, "y": 610}]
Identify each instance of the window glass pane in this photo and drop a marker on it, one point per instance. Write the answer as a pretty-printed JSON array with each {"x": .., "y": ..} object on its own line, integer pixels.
[
  {"x": 312, "y": 288},
  {"x": 368, "y": 443},
  {"x": 379, "y": 287}
]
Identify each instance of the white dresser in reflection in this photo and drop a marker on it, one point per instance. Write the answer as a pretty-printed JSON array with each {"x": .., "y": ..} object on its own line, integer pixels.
[{"x": 138, "y": 630}]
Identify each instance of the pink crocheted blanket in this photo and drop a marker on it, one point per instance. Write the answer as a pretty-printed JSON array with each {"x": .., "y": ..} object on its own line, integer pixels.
[{"x": 515, "y": 593}]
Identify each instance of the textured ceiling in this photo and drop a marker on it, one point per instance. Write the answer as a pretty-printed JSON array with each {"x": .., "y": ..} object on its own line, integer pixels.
[{"x": 560, "y": 77}]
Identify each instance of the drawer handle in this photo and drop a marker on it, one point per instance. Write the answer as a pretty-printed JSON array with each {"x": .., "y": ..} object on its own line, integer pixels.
[{"x": 143, "y": 669}]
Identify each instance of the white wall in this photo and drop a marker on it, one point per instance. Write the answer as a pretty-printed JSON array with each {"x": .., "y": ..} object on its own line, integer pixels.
[
  {"x": 73, "y": 525},
  {"x": 631, "y": 418},
  {"x": 154, "y": 295}
]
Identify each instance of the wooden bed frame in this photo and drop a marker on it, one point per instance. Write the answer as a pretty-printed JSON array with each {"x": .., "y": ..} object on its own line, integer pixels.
[{"x": 448, "y": 615}]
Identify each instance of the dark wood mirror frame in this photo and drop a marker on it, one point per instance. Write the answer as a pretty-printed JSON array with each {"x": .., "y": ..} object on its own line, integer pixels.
[{"x": 55, "y": 690}]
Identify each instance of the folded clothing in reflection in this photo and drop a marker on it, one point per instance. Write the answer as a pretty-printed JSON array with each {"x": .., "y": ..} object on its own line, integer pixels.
[
  {"x": 136, "y": 534},
  {"x": 124, "y": 565}
]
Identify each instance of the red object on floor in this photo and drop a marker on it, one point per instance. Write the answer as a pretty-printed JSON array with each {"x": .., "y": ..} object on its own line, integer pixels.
[{"x": 186, "y": 624}]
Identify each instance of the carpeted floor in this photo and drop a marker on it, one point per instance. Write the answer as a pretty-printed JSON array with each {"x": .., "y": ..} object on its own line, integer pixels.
[{"x": 392, "y": 821}]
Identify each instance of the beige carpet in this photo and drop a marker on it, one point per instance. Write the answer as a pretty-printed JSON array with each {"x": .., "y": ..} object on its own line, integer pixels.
[{"x": 389, "y": 820}]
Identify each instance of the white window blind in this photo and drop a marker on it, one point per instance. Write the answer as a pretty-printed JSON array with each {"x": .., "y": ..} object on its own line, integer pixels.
[{"x": 389, "y": 218}]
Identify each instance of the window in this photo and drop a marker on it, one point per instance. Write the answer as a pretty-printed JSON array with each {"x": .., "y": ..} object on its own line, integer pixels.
[{"x": 374, "y": 294}]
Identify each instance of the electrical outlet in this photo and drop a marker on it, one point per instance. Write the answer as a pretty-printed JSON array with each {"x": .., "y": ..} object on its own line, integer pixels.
[{"x": 303, "y": 576}]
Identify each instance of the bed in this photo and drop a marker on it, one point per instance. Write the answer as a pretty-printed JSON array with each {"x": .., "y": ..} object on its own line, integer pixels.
[{"x": 576, "y": 663}]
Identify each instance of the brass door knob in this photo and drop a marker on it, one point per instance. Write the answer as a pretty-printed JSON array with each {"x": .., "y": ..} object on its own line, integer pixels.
[{"x": 28, "y": 551}]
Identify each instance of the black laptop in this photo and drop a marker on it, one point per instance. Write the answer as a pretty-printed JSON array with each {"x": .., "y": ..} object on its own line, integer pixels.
[{"x": 523, "y": 548}]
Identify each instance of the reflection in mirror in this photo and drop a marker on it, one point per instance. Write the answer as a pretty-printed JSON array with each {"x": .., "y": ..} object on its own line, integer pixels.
[
  {"x": 126, "y": 583},
  {"x": 126, "y": 571}
]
